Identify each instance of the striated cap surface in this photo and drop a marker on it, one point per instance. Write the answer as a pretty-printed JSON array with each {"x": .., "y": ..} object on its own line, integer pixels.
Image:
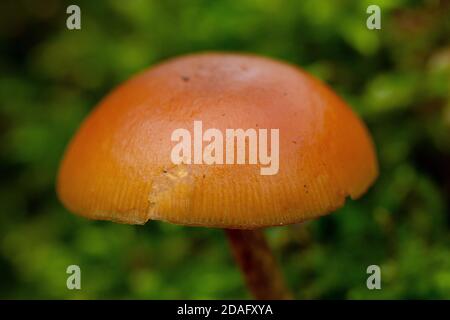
[{"x": 118, "y": 165}]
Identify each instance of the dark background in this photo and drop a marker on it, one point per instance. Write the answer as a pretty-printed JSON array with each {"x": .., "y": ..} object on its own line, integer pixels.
[{"x": 396, "y": 78}]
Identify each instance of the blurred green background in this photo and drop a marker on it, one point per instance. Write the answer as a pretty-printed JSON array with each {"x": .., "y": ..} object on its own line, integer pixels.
[{"x": 396, "y": 78}]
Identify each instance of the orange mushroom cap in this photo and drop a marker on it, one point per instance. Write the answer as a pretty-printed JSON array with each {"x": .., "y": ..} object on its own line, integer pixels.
[{"x": 118, "y": 166}]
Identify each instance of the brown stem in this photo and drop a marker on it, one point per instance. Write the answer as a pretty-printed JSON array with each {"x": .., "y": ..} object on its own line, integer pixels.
[{"x": 257, "y": 263}]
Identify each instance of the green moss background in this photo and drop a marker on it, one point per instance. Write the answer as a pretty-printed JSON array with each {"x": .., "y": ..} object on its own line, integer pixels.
[{"x": 396, "y": 78}]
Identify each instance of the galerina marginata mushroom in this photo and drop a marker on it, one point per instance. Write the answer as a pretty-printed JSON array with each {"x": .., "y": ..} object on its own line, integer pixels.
[{"x": 118, "y": 166}]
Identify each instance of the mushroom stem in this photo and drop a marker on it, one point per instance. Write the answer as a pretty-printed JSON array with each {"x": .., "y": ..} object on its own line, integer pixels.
[{"x": 257, "y": 263}]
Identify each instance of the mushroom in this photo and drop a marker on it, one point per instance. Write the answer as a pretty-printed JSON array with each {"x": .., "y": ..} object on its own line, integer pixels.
[{"x": 118, "y": 166}]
